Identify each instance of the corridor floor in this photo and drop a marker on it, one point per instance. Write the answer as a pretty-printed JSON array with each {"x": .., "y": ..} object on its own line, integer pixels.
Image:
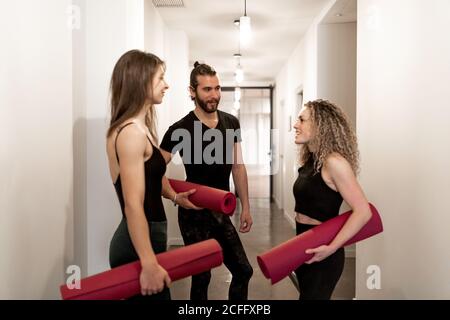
[{"x": 270, "y": 228}]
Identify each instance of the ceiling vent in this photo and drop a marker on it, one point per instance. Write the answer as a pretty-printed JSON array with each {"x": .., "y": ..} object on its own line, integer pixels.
[{"x": 168, "y": 3}]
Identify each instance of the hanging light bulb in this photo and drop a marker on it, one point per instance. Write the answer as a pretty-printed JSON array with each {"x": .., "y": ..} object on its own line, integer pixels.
[
  {"x": 237, "y": 101},
  {"x": 237, "y": 94},
  {"x": 245, "y": 28},
  {"x": 236, "y": 105},
  {"x": 239, "y": 74}
]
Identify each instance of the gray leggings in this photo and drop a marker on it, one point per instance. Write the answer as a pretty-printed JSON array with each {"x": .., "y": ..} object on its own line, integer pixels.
[{"x": 121, "y": 251}]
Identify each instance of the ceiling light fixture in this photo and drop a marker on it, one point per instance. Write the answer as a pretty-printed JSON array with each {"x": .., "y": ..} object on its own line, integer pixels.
[
  {"x": 245, "y": 28},
  {"x": 168, "y": 3},
  {"x": 237, "y": 94},
  {"x": 239, "y": 74},
  {"x": 236, "y": 106}
]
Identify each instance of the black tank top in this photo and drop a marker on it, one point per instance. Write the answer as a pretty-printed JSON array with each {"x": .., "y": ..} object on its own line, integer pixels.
[
  {"x": 312, "y": 195},
  {"x": 155, "y": 167}
]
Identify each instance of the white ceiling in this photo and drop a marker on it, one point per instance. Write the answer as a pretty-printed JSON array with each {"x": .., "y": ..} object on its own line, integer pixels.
[{"x": 277, "y": 28}]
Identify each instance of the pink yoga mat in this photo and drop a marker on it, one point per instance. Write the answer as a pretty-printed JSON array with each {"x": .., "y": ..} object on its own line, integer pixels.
[
  {"x": 281, "y": 260},
  {"x": 123, "y": 282},
  {"x": 207, "y": 197}
]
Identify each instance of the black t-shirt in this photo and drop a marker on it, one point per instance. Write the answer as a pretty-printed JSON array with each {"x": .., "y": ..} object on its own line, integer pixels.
[{"x": 207, "y": 153}]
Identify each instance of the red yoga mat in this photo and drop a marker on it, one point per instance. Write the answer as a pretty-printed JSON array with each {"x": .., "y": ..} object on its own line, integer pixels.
[
  {"x": 207, "y": 197},
  {"x": 123, "y": 282},
  {"x": 281, "y": 260}
]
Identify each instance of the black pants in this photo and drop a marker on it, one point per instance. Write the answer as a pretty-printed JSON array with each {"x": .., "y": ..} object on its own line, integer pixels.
[
  {"x": 318, "y": 280},
  {"x": 202, "y": 225},
  {"x": 121, "y": 251}
]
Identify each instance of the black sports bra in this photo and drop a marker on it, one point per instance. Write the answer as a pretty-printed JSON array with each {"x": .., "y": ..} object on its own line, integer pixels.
[
  {"x": 313, "y": 197},
  {"x": 155, "y": 168}
]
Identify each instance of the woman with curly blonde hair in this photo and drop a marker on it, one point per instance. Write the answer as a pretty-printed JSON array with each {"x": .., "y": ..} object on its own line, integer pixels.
[{"x": 327, "y": 176}]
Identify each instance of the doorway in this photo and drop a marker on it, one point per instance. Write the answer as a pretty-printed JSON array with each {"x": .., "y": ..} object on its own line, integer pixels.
[{"x": 252, "y": 106}]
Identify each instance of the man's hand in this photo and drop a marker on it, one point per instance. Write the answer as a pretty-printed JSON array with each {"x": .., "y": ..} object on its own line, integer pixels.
[{"x": 246, "y": 221}]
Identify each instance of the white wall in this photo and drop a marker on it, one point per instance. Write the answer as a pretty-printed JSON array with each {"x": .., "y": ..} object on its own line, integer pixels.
[
  {"x": 57, "y": 203},
  {"x": 101, "y": 40},
  {"x": 299, "y": 72},
  {"x": 173, "y": 47},
  {"x": 79, "y": 138},
  {"x": 176, "y": 106},
  {"x": 107, "y": 35},
  {"x": 403, "y": 128},
  {"x": 36, "y": 204},
  {"x": 336, "y": 76},
  {"x": 291, "y": 77},
  {"x": 323, "y": 65},
  {"x": 154, "y": 30},
  {"x": 276, "y": 149}
]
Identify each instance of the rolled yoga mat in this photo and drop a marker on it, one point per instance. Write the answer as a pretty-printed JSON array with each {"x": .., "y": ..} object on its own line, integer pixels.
[
  {"x": 281, "y": 260},
  {"x": 207, "y": 197},
  {"x": 123, "y": 282}
]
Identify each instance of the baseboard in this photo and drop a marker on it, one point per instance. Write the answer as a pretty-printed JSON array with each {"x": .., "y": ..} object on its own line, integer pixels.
[
  {"x": 277, "y": 202},
  {"x": 175, "y": 242},
  {"x": 290, "y": 219},
  {"x": 350, "y": 252}
]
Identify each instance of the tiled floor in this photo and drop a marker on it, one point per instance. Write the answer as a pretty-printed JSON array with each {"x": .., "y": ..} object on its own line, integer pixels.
[
  {"x": 260, "y": 186},
  {"x": 269, "y": 229}
]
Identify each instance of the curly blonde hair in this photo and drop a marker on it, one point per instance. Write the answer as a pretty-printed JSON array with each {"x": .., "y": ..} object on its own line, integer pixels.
[{"x": 333, "y": 133}]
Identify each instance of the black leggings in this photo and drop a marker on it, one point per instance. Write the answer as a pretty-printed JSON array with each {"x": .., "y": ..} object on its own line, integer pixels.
[
  {"x": 121, "y": 251},
  {"x": 202, "y": 225},
  {"x": 317, "y": 280}
]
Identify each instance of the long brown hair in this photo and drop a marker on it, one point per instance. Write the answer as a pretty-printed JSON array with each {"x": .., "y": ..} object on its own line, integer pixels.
[
  {"x": 333, "y": 133},
  {"x": 131, "y": 86}
]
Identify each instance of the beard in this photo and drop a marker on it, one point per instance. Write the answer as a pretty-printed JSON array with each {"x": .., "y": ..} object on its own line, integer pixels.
[{"x": 204, "y": 104}]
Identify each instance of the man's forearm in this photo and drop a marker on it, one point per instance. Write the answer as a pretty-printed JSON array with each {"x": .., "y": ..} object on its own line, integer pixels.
[{"x": 241, "y": 183}]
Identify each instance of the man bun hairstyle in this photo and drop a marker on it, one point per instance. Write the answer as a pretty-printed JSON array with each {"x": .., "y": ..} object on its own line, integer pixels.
[{"x": 200, "y": 69}]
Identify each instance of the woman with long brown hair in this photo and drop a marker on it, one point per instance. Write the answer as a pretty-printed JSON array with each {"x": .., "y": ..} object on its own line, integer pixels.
[
  {"x": 137, "y": 169},
  {"x": 327, "y": 176}
]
